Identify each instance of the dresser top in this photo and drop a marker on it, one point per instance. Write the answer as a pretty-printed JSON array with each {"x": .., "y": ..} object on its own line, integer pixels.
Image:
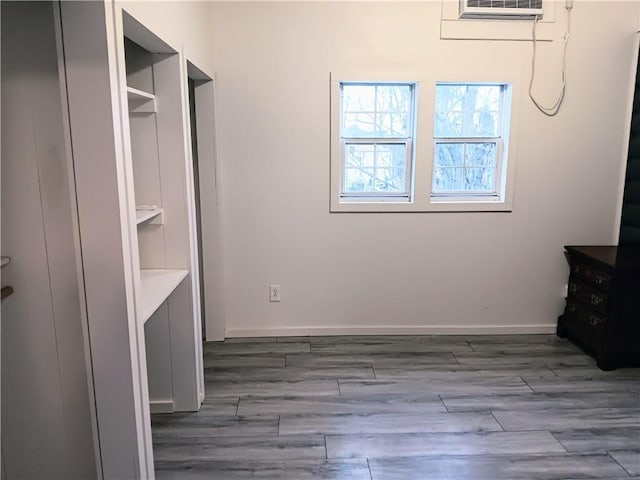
[{"x": 618, "y": 257}]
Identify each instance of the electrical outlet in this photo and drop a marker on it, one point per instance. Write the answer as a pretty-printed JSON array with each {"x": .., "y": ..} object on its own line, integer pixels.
[{"x": 274, "y": 293}]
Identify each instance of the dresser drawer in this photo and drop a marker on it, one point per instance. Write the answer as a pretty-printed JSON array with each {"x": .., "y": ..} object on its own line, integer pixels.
[
  {"x": 588, "y": 295},
  {"x": 592, "y": 276},
  {"x": 587, "y": 318}
]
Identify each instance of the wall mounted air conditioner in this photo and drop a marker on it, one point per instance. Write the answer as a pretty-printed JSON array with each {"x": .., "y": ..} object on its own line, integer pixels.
[{"x": 501, "y": 9}]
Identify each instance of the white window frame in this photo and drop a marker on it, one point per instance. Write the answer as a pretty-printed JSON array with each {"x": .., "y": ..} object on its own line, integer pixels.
[
  {"x": 465, "y": 141},
  {"x": 337, "y": 162},
  {"x": 423, "y": 146},
  {"x": 379, "y": 196},
  {"x": 499, "y": 140}
]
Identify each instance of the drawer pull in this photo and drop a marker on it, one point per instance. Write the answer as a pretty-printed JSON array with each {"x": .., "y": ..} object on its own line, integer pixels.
[
  {"x": 596, "y": 300},
  {"x": 594, "y": 321}
]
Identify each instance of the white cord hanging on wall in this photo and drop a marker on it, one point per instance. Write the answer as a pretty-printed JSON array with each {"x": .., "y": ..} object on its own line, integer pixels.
[{"x": 551, "y": 111}]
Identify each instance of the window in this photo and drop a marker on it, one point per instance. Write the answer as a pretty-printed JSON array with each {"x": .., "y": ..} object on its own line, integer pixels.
[
  {"x": 468, "y": 140},
  {"x": 376, "y": 132},
  {"x": 415, "y": 143}
]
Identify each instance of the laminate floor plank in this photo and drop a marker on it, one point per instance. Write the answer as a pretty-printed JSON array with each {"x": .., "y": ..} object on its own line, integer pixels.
[
  {"x": 552, "y": 359},
  {"x": 388, "y": 423},
  {"x": 629, "y": 460},
  {"x": 306, "y": 339},
  {"x": 598, "y": 440},
  {"x": 512, "y": 467},
  {"x": 287, "y": 374},
  {"x": 236, "y": 361},
  {"x": 441, "y": 444},
  {"x": 388, "y": 360},
  {"x": 459, "y": 373},
  {"x": 334, "y": 405},
  {"x": 273, "y": 448},
  {"x": 387, "y": 347},
  {"x": 297, "y": 469},
  {"x": 193, "y": 425},
  {"x": 244, "y": 340},
  {"x": 381, "y": 340},
  {"x": 273, "y": 388},
  {"x": 495, "y": 386},
  {"x": 521, "y": 407},
  {"x": 266, "y": 347},
  {"x": 540, "y": 401},
  {"x": 562, "y": 420},
  {"x": 219, "y": 406},
  {"x": 529, "y": 339},
  {"x": 583, "y": 385},
  {"x": 594, "y": 372},
  {"x": 527, "y": 348}
]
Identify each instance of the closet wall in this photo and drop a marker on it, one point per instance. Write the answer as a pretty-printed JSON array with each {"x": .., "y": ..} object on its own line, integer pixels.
[
  {"x": 46, "y": 403},
  {"x": 81, "y": 329},
  {"x": 159, "y": 184}
]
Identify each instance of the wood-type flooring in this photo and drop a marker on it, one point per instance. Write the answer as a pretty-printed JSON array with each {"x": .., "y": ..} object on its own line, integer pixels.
[{"x": 514, "y": 407}]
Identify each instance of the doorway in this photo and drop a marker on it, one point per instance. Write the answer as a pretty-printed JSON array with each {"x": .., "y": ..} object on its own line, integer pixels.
[{"x": 206, "y": 173}]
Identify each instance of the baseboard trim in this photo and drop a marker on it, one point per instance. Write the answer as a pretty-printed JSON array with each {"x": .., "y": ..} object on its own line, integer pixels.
[
  {"x": 393, "y": 330},
  {"x": 161, "y": 406}
]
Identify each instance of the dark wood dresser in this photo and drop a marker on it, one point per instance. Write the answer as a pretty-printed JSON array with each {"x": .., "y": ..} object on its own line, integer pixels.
[{"x": 602, "y": 312}]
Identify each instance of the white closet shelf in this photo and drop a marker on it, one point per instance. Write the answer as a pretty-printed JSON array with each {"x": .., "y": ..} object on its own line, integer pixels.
[
  {"x": 140, "y": 101},
  {"x": 151, "y": 215},
  {"x": 156, "y": 286}
]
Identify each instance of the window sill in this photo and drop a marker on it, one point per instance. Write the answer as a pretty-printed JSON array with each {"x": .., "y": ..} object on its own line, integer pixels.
[
  {"x": 469, "y": 206},
  {"x": 372, "y": 199},
  {"x": 420, "y": 207}
]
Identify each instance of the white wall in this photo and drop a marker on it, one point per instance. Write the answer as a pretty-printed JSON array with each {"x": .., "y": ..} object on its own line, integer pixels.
[
  {"x": 405, "y": 272},
  {"x": 179, "y": 23}
]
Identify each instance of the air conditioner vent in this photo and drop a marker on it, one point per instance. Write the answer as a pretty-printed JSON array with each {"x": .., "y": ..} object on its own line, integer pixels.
[{"x": 500, "y": 9}]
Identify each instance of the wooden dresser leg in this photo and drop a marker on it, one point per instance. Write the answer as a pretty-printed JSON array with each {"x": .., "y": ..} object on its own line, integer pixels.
[
  {"x": 604, "y": 362},
  {"x": 561, "y": 331}
]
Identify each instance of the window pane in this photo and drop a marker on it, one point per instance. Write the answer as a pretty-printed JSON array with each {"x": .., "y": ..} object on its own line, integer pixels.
[
  {"x": 358, "y": 125},
  {"x": 358, "y": 155},
  {"x": 393, "y": 98},
  {"x": 480, "y": 154},
  {"x": 375, "y": 168},
  {"x": 464, "y": 168},
  {"x": 358, "y": 180},
  {"x": 376, "y": 111},
  {"x": 358, "y": 98},
  {"x": 449, "y": 155},
  {"x": 467, "y": 110},
  {"x": 447, "y": 179},
  {"x": 479, "y": 179}
]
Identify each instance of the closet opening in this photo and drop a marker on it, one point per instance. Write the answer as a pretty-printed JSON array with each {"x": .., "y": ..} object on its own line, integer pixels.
[{"x": 206, "y": 173}]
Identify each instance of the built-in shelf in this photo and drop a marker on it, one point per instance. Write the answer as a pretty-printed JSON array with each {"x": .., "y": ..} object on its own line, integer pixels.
[
  {"x": 156, "y": 286},
  {"x": 6, "y": 261},
  {"x": 140, "y": 101},
  {"x": 150, "y": 215}
]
